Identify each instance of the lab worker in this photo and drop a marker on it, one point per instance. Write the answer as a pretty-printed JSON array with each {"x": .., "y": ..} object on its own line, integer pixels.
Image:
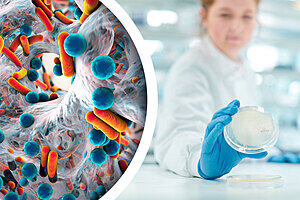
[{"x": 204, "y": 89}]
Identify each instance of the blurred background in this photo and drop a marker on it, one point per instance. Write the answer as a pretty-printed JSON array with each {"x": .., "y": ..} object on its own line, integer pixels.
[{"x": 274, "y": 53}]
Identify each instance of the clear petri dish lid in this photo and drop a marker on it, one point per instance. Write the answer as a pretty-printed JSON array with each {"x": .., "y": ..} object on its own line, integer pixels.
[
  {"x": 255, "y": 181},
  {"x": 252, "y": 130}
]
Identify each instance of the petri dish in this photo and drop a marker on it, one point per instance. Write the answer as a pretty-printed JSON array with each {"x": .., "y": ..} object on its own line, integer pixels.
[
  {"x": 252, "y": 130},
  {"x": 255, "y": 181}
]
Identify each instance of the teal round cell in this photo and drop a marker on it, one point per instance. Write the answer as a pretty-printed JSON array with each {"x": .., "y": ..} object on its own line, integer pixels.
[
  {"x": 97, "y": 137},
  {"x": 32, "y": 75},
  {"x": 98, "y": 156},
  {"x": 11, "y": 196},
  {"x": 26, "y": 30},
  {"x": 112, "y": 148},
  {"x": 26, "y": 120},
  {"x": 44, "y": 191},
  {"x": 29, "y": 171},
  {"x": 75, "y": 45},
  {"x": 93, "y": 196},
  {"x": 103, "y": 67},
  {"x": 103, "y": 98},
  {"x": 57, "y": 70},
  {"x": 43, "y": 96},
  {"x": 23, "y": 182},
  {"x": 100, "y": 190},
  {"x": 2, "y": 137},
  {"x": 31, "y": 148},
  {"x": 68, "y": 197},
  {"x": 32, "y": 97},
  {"x": 36, "y": 63}
]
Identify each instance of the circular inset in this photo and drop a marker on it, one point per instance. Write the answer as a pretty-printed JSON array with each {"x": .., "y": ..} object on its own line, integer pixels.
[{"x": 60, "y": 127}]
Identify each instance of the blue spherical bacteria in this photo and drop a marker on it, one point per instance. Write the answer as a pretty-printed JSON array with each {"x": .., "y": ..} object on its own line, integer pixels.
[
  {"x": 43, "y": 97},
  {"x": 11, "y": 196},
  {"x": 32, "y": 75},
  {"x": 97, "y": 137},
  {"x": 75, "y": 45},
  {"x": 44, "y": 191},
  {"x": 112, "y": 148},
  {"x": 31, "y": 148},
  {"x": 57, "y": 70},
  {"x": 32, "y": 97},
  {"x": 93, "y": 196},
  {"x": 98, "y": 156},
  {"x": 36, "y": 63},
  {"x": 29, "y": 171},
  {"x": 26, "y": 120},
  {"x": 103, "y": 67},
  {"x": 100, "y": 190},
  {"x": 68, "y": 197},
  {"x": 103, "y": 98},
  {"x": 26, "y": 30}
]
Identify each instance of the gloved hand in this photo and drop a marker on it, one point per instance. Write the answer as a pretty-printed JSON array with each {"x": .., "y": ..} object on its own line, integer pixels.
[{"x": 217, "y": 157}]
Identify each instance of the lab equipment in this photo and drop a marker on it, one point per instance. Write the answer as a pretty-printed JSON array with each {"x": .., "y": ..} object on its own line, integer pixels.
[
  {"x": 217, "y": 157},
  {"x": 252, "y": 130}
]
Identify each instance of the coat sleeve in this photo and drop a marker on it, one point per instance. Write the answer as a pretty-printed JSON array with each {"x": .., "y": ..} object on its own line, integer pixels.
[{"x": 186, "y": 109}]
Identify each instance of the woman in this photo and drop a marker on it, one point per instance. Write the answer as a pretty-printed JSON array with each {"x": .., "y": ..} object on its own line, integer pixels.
[{"x": 205, "y": 79}]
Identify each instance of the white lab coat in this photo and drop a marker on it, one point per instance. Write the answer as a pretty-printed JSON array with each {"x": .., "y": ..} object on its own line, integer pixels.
[{"x": 201, "y": 82}]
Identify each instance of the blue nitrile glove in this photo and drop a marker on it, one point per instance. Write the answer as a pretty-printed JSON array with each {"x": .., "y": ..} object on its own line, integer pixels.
[
  {"x": 217, "y": 157},
  {"x": 287, "y": 157}
]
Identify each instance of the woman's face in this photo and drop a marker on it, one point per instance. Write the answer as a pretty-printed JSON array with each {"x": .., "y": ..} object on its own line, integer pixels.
[{"x": 230, "y": 24}]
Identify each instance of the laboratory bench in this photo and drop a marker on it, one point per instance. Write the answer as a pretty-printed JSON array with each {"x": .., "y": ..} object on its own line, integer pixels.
[{"x": 153, "y": 182}]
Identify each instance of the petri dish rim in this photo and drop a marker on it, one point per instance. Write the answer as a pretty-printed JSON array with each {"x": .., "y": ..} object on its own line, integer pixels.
[{"x": 252, "y": 150}]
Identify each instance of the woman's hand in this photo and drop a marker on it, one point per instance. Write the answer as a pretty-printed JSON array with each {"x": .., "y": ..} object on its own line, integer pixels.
[{"x": 217, "y": 157}]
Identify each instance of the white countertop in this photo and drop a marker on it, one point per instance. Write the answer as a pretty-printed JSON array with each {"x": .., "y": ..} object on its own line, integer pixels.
[{"x": 152, "y": 182}]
